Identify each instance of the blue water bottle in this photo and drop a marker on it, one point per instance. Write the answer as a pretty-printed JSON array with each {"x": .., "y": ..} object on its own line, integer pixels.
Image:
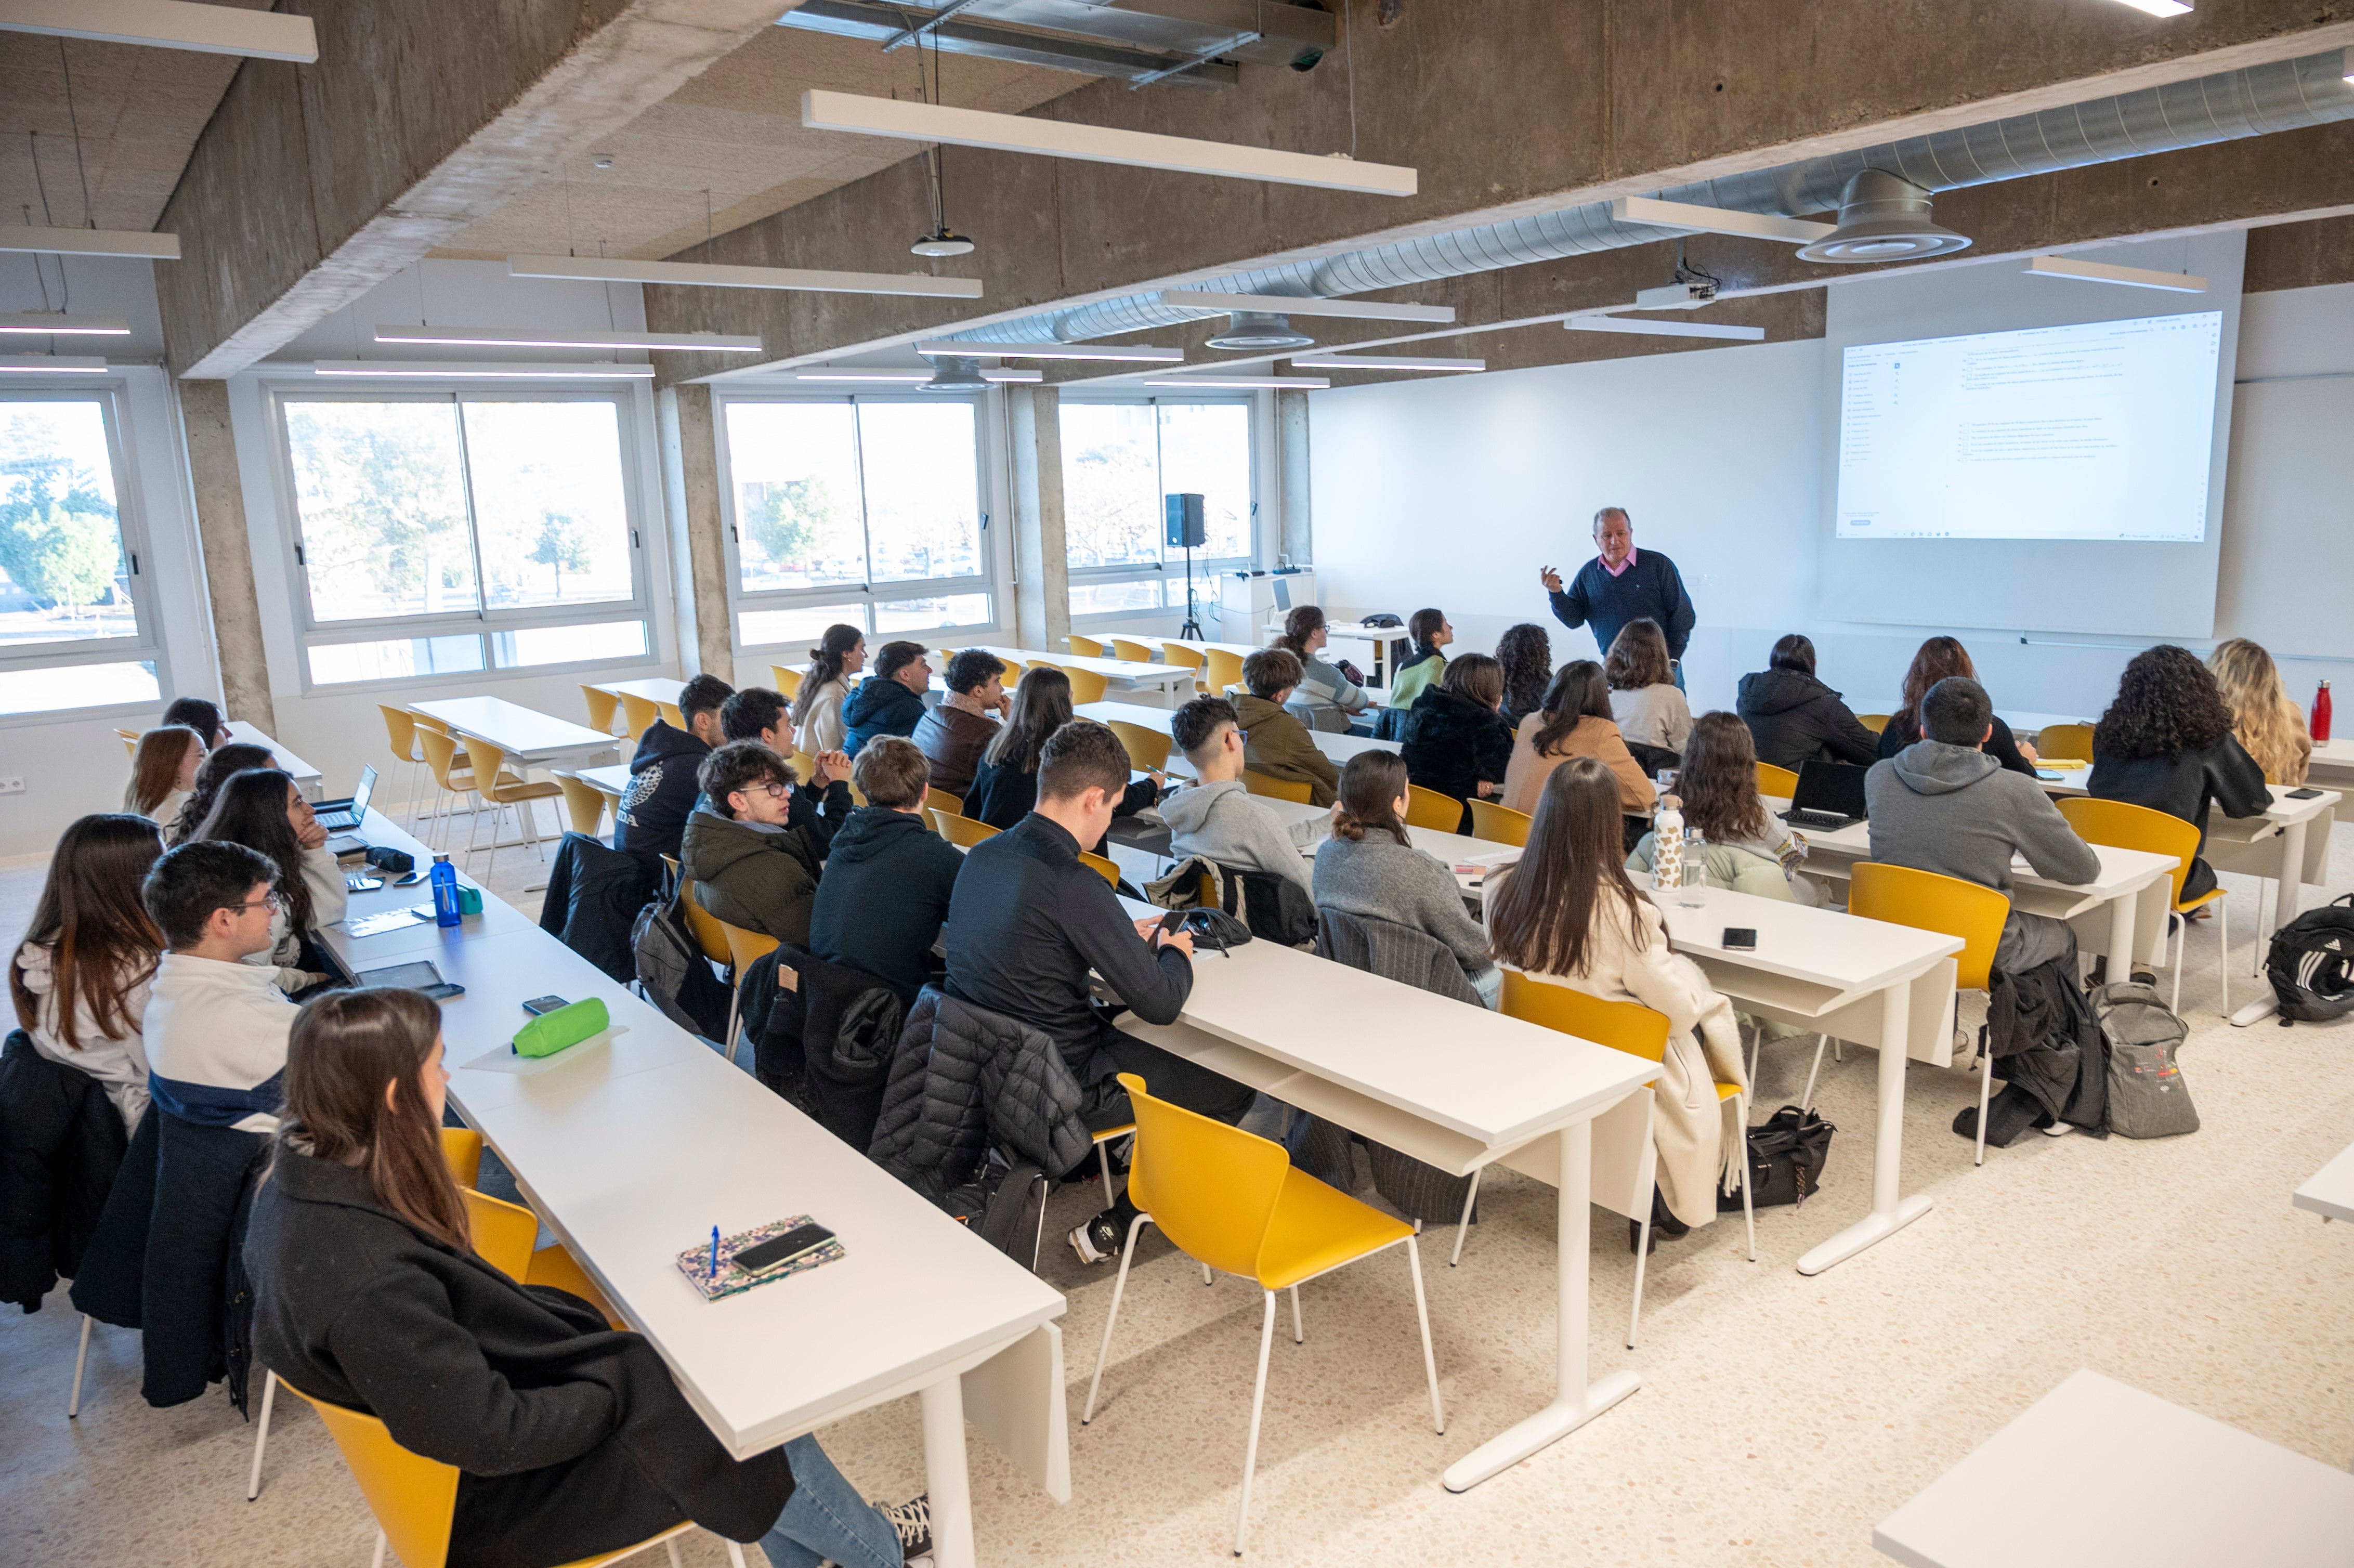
[{"x": 444, "y": 879}]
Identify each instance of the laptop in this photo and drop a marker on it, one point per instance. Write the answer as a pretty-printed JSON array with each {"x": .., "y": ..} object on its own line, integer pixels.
[
  {"x": 339, "y": 816},
  {"x": 1829, "y": 796}
]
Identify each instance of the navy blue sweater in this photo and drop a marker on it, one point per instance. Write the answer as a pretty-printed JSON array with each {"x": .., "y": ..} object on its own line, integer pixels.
[{"x": 1651, "y": 587}]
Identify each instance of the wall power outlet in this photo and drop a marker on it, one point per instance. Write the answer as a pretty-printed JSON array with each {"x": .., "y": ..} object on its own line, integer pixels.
[{"x": 12, "y": 786}]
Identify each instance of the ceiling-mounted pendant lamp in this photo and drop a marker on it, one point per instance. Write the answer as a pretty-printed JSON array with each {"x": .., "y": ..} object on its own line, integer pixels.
[
  {"x": 541, "y": 337},
  {"x": 462, "y": 370},
  {"x": 711, "y": 275},
  {"x": 57, "y": 324},
  {"x": 50, "y": 364}
]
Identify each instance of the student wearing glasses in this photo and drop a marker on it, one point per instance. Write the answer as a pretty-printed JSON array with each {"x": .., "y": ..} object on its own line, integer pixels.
[{"x": 755, "y": 844}]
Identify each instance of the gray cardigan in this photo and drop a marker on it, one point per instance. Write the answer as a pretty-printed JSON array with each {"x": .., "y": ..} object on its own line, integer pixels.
[{"x": 1375, "y": 876}]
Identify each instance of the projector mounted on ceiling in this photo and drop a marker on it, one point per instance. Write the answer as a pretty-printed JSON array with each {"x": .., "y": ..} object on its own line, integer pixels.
[
  {"x": 1260, "y": 329},
  {"x": 1685, "y": 295},
  {"x": 1883, "y": 217}
]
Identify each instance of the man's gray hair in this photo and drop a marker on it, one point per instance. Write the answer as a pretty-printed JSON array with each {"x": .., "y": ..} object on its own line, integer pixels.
[{"x": 1605, "y": 512}]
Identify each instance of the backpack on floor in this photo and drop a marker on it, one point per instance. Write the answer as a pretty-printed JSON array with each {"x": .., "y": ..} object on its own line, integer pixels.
[
  {"x": 2311, "y": 963},
  {"x": 2148, "y": 1096},
  {"x": 1006, "y": 1203}
]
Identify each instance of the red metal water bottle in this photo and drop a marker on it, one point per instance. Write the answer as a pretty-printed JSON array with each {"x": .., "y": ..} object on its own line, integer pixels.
[{"x": 2320, "y": 729}]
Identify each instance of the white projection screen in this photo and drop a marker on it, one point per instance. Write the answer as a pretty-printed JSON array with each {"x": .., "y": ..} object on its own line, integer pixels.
[{"x": 2031, "y": 453}]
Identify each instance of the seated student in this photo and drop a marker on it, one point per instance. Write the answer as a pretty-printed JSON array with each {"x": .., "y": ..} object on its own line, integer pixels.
[
  {"x": 1525, "y": 651},
  {"x": 954, "y": 732},
  {"x": 888, "y": 874},
  {"x": 261, "y": 808},
  {"x": 758, "y": 713},
  {"x": 1370, "y": 867},
  {"x": 755, "y": 846},
  {"x": 654, "y": 804},
  {"x": 1030, "y": 923},
  {"x": 163, "y": 772},
  {"x": 1938, "y": 658},
  {"x": 1276, "y": 743},
  {"x": 1943, "y": 804},
  {"x": 571, "y": 1439},
  {"x": 1575, "y": 721},
  {"x": 225, "y": 763},
  {"x": 1795, "y": 718},
  {"x": 214, "y": 1027},
  {"x": 835, "y": 664},
  {"x": 1566, "y": 915},
  {"x": 1421, "y": 668},
  {"x": 80, "y": 980},
  {"x": 1457, "y": 743},
  {"x": 1644, "y": 698},
  {"x": 1750, "y": 849},
  {"x": 2166, "y": 743},
  {"x": 1005, "y": 786},
  {"x": 1325, "y": 697},
  {"x": 1217, "y": 817},
  {"x": 891, "y": 699},
  {"x": 202, "y": 716},
  {"x": 2269, "y": 727}
]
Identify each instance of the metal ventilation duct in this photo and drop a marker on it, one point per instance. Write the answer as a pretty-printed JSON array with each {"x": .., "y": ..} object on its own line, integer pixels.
[
  {"x": 1190, "y": 43},
  {"x": 2286, "y": 95}
]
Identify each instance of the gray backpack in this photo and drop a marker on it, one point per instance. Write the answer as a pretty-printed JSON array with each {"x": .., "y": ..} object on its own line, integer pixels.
[{"x": 2148, "y": 1097}]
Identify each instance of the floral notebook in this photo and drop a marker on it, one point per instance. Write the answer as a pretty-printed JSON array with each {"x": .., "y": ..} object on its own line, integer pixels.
[{"x": 695, "y": 1262}]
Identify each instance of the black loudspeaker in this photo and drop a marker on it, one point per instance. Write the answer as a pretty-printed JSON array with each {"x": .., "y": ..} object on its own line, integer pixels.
[{"x": 1187, "y": 528}]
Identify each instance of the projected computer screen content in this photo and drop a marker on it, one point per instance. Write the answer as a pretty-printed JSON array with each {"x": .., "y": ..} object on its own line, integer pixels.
[{"x": 2102, "y": 431}]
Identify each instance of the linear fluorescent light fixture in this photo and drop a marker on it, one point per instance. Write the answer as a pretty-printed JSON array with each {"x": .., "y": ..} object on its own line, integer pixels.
[
  {"x": 1275, "y": 383},
  {"x": 89, "y": 241},
  {"x": 910, "y": 377},
  {"x": 2159, "y": 7},
  {"x": 703, "y": 275},
  {"x": 1381, "y": 362},
  {"x": 478, "y": 370},
  {"x": 1143, "y": 353},
  {"x": 1664, "y": 329},
  {"x": 1286, "y": 304},
  {"x": 497, "y": 337},
  {"x": 1716, "y": 220},
  {"x": 37, "y": 364},
  {"x": 37, "y": 323},
  {"x": 170, "y": 25},
  {"x": 912, "y": 121},
  {"x": 2102, "y": 272}
]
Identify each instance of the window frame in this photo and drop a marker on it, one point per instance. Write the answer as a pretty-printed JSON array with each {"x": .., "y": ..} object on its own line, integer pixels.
[
  {"x": 484, "y": 622},
  {"x": 146, "y": 645},
  {"x": 988, "y": 582},
  {"x": 1207, "y": 569}
]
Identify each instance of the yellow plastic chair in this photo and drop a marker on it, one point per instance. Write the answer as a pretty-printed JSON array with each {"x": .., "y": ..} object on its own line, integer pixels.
[
  {"x": 1928, "y": 901},
  {"x": 744, "y": 949},
  {"x": 1086, "y": 686},
  {"x": 449, "y": 779},
  {"x": 2121, "y": 826},
  {"x": 1013, "y": 668},
  {"x": 502, "y": 1235},
  {"x": 603, "y": 706},
  {"x": 960, "y": 830},
  {"x": 1220, "y": 670},
  {"x": 638, "y": 714},
  {"x": 1875, "y": 723},
  {"x": 1147, "y": 748},
  {"x": 584, "y": 803},
  {"x": 130, "y": 738},
  {"x": 1085, "y": 647},
  {"x": 400, "y": 729},
  {"x": 1233, "y": 1202},
  {"x": 1102, "y": 865},
  {"x": 1275, "y": 789},
  {"x": 1429, "y": 808},
  {"x": 1185, "y": 656},
  {"x": 788, "y": 680},
  {"x": 711, "y": 936},
  {"x": 941, "y": 800},
  {"x": 1133, "y": 652},
  {"x": 1775, "y": 783},
  {"x": 671, "y": 715},
  {"x": 505, "y": 788},
  {"x": 1499, "y": 824},
  {"x": 2068, "y": 742}
]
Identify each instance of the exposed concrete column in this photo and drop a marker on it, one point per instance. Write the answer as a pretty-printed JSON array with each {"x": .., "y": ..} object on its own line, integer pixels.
[
  {"x": 690, "y": 464},
  {"x": 1295, "y": 532},
  {"x": 1042, "y": 595},
  {"x": 226, "y": 552}
]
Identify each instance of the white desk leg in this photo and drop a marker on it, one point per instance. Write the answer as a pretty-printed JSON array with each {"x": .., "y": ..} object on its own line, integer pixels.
[
  {"x": 2288, "y": 900},
  {"x": 1576, "y": 1400},
  {"x": 1890, "y": 1211},
  {"x": 945, "y": 1479},
  {"x": 2121, "y": 936}
]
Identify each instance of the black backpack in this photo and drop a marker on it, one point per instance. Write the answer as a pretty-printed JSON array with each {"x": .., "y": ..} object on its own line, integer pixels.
[
  {"x": 2311, "y": 963},
  {"x": 1005, "y": 1203}
]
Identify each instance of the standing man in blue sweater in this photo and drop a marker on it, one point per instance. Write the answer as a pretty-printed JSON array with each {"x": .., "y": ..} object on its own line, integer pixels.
[{"x": 1619, "y": 585}]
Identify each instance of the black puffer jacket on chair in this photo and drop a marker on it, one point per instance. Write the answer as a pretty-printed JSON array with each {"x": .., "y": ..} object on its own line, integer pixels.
[{"x": 964, "y": 1077}]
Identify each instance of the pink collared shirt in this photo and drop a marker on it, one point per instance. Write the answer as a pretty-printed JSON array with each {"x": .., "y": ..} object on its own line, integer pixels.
[{"x": 1620, "y": 569}]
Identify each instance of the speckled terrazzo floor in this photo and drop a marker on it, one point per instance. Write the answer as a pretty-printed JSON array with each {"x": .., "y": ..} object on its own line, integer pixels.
[{"x": 1779, "y": 1416}]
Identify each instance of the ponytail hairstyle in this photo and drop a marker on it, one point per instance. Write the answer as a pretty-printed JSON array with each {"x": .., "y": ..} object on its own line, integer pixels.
[
  {"x": 223, "y": 764},
  {"x": 1794, "y": 651},
  {"x": 102, "y": 942},
  {"x": 346, "y": 1049},
  {"x": 827, "y": 660},
  {"x": 1304, "y": 622},
  {"x": 252, "y": 809},
  {"x": 1542, "y": 919},
  {"x": 155, "y": 766},
  {"x": 1369, "y": 786}
]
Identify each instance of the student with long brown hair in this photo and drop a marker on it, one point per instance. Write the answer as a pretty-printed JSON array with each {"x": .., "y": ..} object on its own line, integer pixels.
[
  {"x": 1567, "y": 914},
  {"x": 1644, "y": 697},
  {"x": 1369, "y": 867},
  {"x": 263, "y": 810},
  {"x": 163, "y": 772},
  {"x": 1525, "y": 651},
  {"x": 225, "y": 763},
  {"x": 571, "y": 1439},
  {"x": 1938, "y": 658},
  {"x": 80, "y": 978},
  {"x": 1750, "y": 849},
  {"x": 1575, "y": 722},
  {"x": 1005, "y": 786},
  {"x": 2269, "y": 726}
]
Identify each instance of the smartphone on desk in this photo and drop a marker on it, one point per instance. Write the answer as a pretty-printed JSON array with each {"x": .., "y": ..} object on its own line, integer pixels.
[
  {"x": 778, "y": 1251},
  {"x": 1740, "y": 939},
  {"x": 2305, "y": 794},
  {"x": 539, "y": 1005},
  {"x": 412, "y": 878}
]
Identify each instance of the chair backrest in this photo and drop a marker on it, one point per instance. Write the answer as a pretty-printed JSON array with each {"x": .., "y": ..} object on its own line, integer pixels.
[
  {"x": 1221, "y": 670},
  {"x": 1928, "y": 901},
  {"x": 1276, "y": 789},
  {"x": 1146, "y": 747},
  {"x": 441, "y": 757},
  {"x": 638, "y": 714},
  {"x": 2071, "y": 742},
  {"x": 1085, "y": 647},
  {"x": 1211, "y": 1187},
  {"x": 489, "y": 761},
  {"x": 746, "y": 949},
  {"x": 414, "y": 1499},
  {"x": 1013, "y": 668},
  {"x": 1102, "y": 865},
  {"x": 1875, "y": 723},
  {"x": 1777, "y": 783},
  {"x": 941, "y": 800},
  {"x": 1499, "y": 824},
  {"x": 958, "y": 829},
  {"x": 710, "y": 930},
  {"x": 672, "y": 714},
  {"x": 1627, "y": 1026},
  {"x": 462, "y": 1150},
  {"x": 503, "y": 1232},
  {"x": 2123, "y": 826},
  {"x": 603, "y": 705},
  {"x": 130, "y": 738},
  {"x": 1132, "y": 650},
  {"x": 1086, "y": 686},
  {"x": 1182, "y": 655},
  {"x": 788, "y": 680},
  {"x": 400, "y": 729},
  {"x": 1429, "y": 808},
  {"x": 583, "y": 802}
]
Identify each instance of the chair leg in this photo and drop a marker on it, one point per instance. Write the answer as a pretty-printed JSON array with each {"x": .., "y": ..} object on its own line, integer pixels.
[
  {"x": 1748, "y": 1210},
  {"x": 2224, "y": 950},
  {"x": 1087, "y": 1411},
  {"x": 262, "y": 1435},
  {"x": 1206, "y": 1280},
  {"x": 1464, "y": 1225},
  {"x": 1422, "y": 1316},
  {"x": 1642, "y": 1261},
  {"x": 1807, "y": 1100},
  {"x": 73, "y": 1405},
  {"x": 670, "y": 1546},
  {"x": 1986, "y": 1093},
  {"x": 2181, "y": 947},
  {"x": 1103, "y": 1163},
  {"x": 498, "y": 808},
  {"x": 1298, "y": 1332},
  {"x": 1258, "y": 1403},
  {"x": 381, "y": 1544},
  {"x": 734, "y": 1555}
]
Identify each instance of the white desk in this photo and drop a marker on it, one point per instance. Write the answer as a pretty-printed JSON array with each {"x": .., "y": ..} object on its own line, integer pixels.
[
  {"x": 2331, "y": 1190},
  {"x": 1162, "y": 685},
  {"x": 1375, "y": 640},
  {"x": 612, "y": 779},
  {"x": 526, "y": 734},
  {"x": 1363, "y": 1052},
  {"x": 2333, "y": 762},
  {"x": 1339, "y": 747},
  {"x": 2098, "y": 1472},
  {"x": 306, "y": 778}
]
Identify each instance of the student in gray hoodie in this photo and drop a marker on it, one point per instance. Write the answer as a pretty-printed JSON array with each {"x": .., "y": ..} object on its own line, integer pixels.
[
  {"x": 1943, "y": 805},
  {"x": 1217, "y": 817}
]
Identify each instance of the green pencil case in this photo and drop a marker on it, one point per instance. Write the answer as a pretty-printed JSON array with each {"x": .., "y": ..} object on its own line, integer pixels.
[{"x": 564, "y": 1028}]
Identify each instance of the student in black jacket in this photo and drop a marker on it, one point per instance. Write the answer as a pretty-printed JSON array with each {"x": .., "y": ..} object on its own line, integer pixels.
[
  {"x": 891, "y": 699},
  {"x": 1029, "y": 922},
  {"x": 1938, "y": 658},
  {"x": 2166, "y": 743},
  {"x": 661, "y": 790},
  {"x": 1457, "y": 743},
  {"x": 1795, "y": 718},
  {"x": 889, "y": 874},
  {"x": 570, "y": 1437}
]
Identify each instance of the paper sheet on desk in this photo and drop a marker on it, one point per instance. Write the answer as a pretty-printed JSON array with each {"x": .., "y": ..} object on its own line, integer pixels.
[
  {"x": 388, "y": 920},
  {"x": 506, "y": 1059}
]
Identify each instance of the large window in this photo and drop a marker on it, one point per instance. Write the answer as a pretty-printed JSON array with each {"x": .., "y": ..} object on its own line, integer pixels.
[
  {"x": 455, "y": 533},
  {"x": 860, "y": 510},
  {"x": 1118, "y": 461},
  {"x": 73, "y": 632}
]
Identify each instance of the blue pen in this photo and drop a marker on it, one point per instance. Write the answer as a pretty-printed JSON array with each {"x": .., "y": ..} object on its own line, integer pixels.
[{"x": 714, "y": 1252}]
